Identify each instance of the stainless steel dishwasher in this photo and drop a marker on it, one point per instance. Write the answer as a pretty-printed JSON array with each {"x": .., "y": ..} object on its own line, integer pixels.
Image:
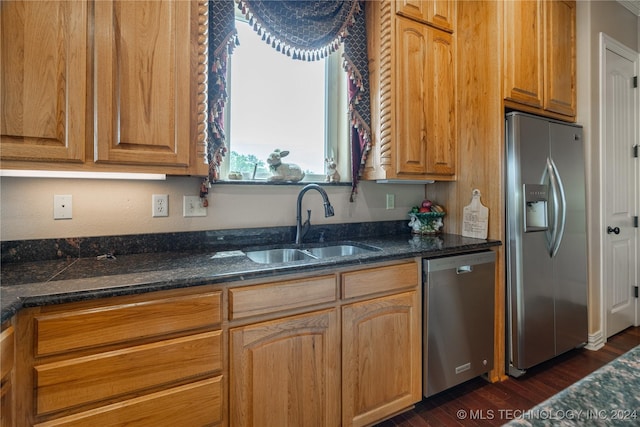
[{"x": 458, "y": 319}]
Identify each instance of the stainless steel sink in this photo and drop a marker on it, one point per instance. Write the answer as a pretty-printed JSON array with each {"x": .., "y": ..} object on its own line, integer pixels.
[
  {"x": 278, "y": 255},
  {"x": 271, "y": 256},
  {"x": 341, "y": 250}
]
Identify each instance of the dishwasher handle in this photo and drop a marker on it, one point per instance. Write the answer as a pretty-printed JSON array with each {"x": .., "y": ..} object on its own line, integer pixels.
[
  {"x": 463, "y": 269},
  {"x": 463, "y": 263}
]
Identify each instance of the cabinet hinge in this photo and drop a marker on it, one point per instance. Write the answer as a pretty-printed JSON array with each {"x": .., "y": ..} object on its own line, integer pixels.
[
  {"x": 635, "y": 291},
  {"x": 635, "y": 221},
  {"x": 635, "y": 150},
  {"x": 635, "y": 81}
]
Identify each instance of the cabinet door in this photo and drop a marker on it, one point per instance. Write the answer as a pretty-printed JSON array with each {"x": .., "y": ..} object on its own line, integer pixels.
[
  {"x": 523, "y": 52},
  {"x": 425, "y": 102},
  {"x": 441, "y": 104},
  {"x": 7, "y": 354},
  {"x": 381, "y": 356},
  {"x": 142, "y": 76},
  {"x": 436, "y": 12},
  {"x": 43, "y": 83},
  {"x": 560, "y": 60},
  {"x": 286, "y": 372}
]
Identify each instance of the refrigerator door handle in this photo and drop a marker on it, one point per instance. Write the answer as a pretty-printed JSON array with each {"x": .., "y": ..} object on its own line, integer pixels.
[
  {"x": 560, "y": 203},
  {"x": 548, "y": 179},
  {"x": 556, "y": 228}
]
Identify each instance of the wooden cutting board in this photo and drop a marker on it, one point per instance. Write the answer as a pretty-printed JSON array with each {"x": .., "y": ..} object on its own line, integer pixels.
[{"x": 475, "y": 218}]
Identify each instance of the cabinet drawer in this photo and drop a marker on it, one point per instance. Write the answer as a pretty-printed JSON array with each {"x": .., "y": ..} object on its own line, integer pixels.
[
  {"x": 68, "y": 383},
  {"x": 279, "y": 296},
  {"x": 199, "y": 404},
  {"x": 380, "y": 279},
  {"x": 120, "y": 321},
  {"x": 6, "y": 352}
]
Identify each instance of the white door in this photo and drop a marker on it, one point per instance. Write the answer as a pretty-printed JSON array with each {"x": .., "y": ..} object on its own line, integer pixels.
[{"x": 619, "y": 134}]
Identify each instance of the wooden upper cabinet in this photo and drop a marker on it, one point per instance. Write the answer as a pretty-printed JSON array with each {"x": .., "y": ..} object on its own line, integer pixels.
[
  {"x": 43, "y": 83},
  {"x": 539, "y": 56},
  {"x": 434, "y": 12},
  {"x": 412, "y": 79},
  {"x": 142, "y": 63},
  {"x": 560, "y": 57},
  {"x": 523, "y": 56},
  {"x": 425, "y": 103},
  {"x": 104, "y": 86}
]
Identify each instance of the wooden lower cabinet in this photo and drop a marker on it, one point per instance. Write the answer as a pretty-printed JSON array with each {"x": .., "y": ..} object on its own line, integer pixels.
[
  {"x": 382, "y": 358},
  {"x": 286, "y": 372},
  {"x": 352, "y": 360},
  {"x": 141, "y": 360},
  {"x": 7, "y": 355},
  {"x": 337, "y": 348}
]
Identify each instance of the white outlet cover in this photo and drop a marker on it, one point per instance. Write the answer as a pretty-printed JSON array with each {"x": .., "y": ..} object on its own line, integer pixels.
[
  {"x": 62, "y": 206},
  {"x": 160, "y": 205},
  {"x": 192, "y": 206}
]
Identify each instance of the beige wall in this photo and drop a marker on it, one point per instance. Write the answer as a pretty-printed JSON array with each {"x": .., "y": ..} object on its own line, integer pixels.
[
  {"x": 116, "y": 207},
  {"x": 618, "y": 22}
]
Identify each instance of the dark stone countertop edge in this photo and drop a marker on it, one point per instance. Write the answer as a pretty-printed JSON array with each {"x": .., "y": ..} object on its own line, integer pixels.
[{"x": 84, "y": 279}]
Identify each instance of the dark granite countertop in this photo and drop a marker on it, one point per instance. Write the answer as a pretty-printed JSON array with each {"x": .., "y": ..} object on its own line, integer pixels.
[{"x": 39, "y": 283}]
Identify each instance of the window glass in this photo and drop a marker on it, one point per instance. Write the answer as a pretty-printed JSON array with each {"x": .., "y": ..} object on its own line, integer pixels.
[{"x": 277, "y": 102}]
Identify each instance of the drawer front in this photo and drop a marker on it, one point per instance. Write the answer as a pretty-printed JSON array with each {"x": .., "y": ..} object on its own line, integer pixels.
[
  {"x": 380, "y": 279},
  {"x": 68, "y": 383},
  {"x": 6, "y": 351},
  {"x": 200, "y": 404},
  {"x": 120, "y": 322},
  {"x": 279, "y": 296}
]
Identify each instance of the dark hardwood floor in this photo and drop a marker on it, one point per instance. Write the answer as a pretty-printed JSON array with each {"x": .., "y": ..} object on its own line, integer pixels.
[{"x": 497, "y": 403}]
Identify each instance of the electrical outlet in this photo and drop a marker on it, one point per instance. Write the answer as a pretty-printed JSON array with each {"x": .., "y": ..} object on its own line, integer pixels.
[
  {"x": 62, "y": 206},
  {"x": 391, "y": 201},
  {"x": 192, "y": 206},
  {"x": 160, "y": 205}
]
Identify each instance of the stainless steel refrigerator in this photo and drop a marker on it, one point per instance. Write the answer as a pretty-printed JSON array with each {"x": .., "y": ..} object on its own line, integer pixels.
[{"x": 546, "y": 250}]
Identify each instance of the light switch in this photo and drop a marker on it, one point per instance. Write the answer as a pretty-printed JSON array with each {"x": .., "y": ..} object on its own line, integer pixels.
[{"x": 391, "y": 201}]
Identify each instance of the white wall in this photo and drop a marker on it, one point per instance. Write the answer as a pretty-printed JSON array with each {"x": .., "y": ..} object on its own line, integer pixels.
[
  {"x": 620, "y": 23},
  {"x": 115, "y": 207}
]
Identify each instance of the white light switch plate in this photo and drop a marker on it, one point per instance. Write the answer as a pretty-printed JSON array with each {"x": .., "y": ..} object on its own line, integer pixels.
[
  {"x": 391, "y": 201},
  {"x": 192, "y": 206}
]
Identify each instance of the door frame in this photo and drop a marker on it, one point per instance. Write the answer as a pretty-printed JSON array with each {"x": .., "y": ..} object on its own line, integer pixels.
[{"x": 609, "y": 43}]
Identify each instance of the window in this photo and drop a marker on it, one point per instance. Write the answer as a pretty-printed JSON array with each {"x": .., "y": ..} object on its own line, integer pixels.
[{"x": 277, "y": 102}]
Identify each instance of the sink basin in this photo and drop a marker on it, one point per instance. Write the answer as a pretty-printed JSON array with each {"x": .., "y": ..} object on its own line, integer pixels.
[
  {"x": 270, "y": 256},
  {"x": 276, "y": 255},
  {"x": 341, "y": 250}
]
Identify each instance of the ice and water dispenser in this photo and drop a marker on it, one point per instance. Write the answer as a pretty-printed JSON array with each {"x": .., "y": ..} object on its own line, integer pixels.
[{"x": 536, "y": 199}]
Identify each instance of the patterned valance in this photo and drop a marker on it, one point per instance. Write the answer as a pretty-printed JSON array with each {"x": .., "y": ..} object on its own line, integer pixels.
[
  {"x": 304, "y": 30},
  {"x": 308, "y": 30}
]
